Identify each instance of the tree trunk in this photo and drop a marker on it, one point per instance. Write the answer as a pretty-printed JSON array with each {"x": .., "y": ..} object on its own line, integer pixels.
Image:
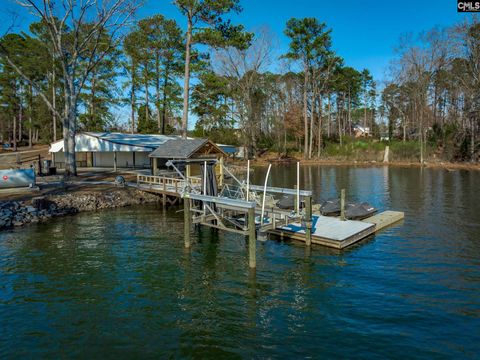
[
  {"x": 20, "y": 122},
  {"x": 69, "y": 146},
  {"x": 14, "y": 133},
  {"x": 349, "y": 113},
  {"x": 186, "y": 85},
  {"x": 157, "y": 91},
  {"x": 339, "y": 119},
  {"x": 329, "y": 116},
  {"x": 132, "y": 98},
  {"x": 472, "y": 140},
  {"x": 320, "y": 128},
  {"x": 421, "y": 136},
  {"x": 92, "y": 104},
  {"x": 305, "y": 112},
  {"x": 30, "y": 106},
  {"x": 69, "y": 128},
  {"x": 312, "y": 120},
  {"x": 147, "y": 115},
  {"x": 54, "y": 115},
  {"x": 164, "y": 102},
  {"x": 365, "y": 108}
]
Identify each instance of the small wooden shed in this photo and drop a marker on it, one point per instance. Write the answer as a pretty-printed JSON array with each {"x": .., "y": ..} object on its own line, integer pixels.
[{"x": 184, "y": 149}]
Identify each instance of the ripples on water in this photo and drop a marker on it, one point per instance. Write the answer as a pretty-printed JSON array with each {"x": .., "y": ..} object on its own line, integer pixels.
[{"x": 119, "y": 283}]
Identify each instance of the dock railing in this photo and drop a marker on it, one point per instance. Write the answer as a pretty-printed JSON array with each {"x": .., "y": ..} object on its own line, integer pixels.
[{"x": 166, "y": 184}]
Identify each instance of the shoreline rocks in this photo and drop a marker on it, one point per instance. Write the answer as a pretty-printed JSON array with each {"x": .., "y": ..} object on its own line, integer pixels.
[{"x": 18, "y": 213}]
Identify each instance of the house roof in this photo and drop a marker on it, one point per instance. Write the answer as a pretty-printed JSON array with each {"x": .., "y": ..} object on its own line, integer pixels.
[
  {"x": 179, "y": 148},
  {"x": 106, "y": 141}
]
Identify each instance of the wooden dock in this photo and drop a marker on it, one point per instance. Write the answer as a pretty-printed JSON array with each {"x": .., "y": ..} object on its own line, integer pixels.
[
  {"x": 245, "y": 210},
  {"x": 336, "y": 233},
  {"x": 171, "y": 188},
  {"x": 327, "y": 231},
  {"x": 385, "y": 219}
]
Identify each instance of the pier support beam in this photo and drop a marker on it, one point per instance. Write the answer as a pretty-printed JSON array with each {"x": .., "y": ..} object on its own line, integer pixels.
[
  {"x": 187, "y": 220},
  {"x": 308, "y": 220},
  {"x": 115, "y": 161},
  {"x": 252, "y": 261}
]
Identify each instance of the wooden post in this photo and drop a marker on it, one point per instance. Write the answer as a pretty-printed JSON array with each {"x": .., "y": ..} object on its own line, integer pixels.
[
  {"x": 188, "y": 172},
  {"x": 220, "y": 183},
  {"x": 154, "y": 172},
  {"x": 115, "y": 161},
  {"x": 297, "y": 201},
  {"x": 252, "y": 261},
  {"x": 342, "y": 205},
  {"x": 204, "y": 178},
  {"x": 53, "y": 159},
  {"x": 308, "y": 220},
  {"x": 186, "y": 215},
  {"x": 133, "y": 158},
  {"x": 164, "y": 195}
]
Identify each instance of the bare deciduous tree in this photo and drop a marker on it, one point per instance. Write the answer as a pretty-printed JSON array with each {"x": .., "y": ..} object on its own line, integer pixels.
[
  {"x": 76, "y": 32},
  {"x": 244, "y": 68}
]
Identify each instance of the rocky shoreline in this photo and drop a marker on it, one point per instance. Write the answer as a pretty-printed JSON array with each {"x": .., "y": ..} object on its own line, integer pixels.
[{"x": 18, "y": 213}]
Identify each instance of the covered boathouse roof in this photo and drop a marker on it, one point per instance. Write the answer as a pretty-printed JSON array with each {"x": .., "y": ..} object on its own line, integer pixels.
[
  {"x": 179, "y": 148},
  {"x": 111, "y": 141}
]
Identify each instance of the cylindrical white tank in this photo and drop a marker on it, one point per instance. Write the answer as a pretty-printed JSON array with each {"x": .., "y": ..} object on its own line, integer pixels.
[{"x": 17, "y": 178}]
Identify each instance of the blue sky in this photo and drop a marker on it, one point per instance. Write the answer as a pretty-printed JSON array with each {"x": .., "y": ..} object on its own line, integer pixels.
[{"x": 364, "y": 32}]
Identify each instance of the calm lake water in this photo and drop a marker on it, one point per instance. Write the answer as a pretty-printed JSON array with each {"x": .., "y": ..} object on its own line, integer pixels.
[{"x": 119, "y": 284}]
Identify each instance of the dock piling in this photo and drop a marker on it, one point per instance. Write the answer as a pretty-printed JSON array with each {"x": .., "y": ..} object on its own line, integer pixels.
[
  {"x": 296, "y": 205},
  {"x": 308, "y": 220},
  {"x": 187, "y": 219},
  {"x": 252, "y": 261},
  {"x": 342, "y": 205}
]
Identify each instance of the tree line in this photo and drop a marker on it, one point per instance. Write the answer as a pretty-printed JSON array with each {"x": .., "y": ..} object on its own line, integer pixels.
[
  {"x": 83, "y": 61},
  {"x": 434, "y": 91}
]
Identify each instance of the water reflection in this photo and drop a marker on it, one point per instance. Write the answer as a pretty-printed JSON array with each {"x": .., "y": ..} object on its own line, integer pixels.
[{"x": 121, "y": 284}]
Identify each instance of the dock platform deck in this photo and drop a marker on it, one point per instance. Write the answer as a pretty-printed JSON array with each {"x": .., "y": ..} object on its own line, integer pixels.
[
  {"x": 385, "y": 219},
  {"x": 335, "y": 233}
]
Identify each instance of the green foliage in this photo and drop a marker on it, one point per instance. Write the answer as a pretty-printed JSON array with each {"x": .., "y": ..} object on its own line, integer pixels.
[
  {"x": 225, "y": 135},
  {"x": 100, "y": 93},
  {"x": 309, "y": 39},
  {"x": 370, "y": 150},
  {"x": 145, "y": 125},
  {"x": 210, "y": 102},
  {"x": 405, "y": 151},
  {"x": 216, "y": 31},
  {"x": 155, "y": 53}
]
